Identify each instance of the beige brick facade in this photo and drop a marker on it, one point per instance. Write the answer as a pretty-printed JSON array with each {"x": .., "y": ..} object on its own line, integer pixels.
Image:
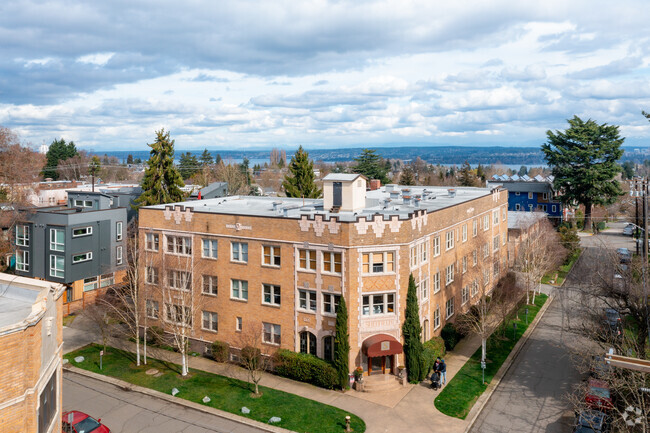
[{"x": 357, "y": 242}]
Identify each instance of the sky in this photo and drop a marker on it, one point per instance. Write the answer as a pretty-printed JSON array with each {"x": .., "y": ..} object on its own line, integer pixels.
[{"x": 322, "y": 74}]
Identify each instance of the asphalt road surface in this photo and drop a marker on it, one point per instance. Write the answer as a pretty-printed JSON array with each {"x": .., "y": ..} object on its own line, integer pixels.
[
  {"x": 132, "y": 412},
  {"x": 532, "y": 397}
]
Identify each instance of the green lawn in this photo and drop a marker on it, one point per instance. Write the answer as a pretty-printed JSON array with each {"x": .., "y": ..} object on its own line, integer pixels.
[
  {"x": 297, "y": 413},
  {"x": 459, "y": 395},
  {"x": 562, "y": 272}
]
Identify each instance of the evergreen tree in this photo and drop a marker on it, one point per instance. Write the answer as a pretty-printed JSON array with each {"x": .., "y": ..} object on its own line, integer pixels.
[
  {"x": 129, "y": 159},
  {"x": 218, "y": 160},
  {"x": 583, "y": 160},
  {"x": 58, "y": 151},
  {"x": 161, "y": 182},
  {"x": 407, "y": 177},
  {"x": 188, "y": 165},
  {"x": 342, "y": 345},
  {"x": 206, "y": 158},
  {"x": 480, "y": 173},
  {"x": 412, "y": 331},
  {"x": 243, "y": 167},
  {"x": 467, "y": 177},
  {"x": 299, "y": 181},
  {"x": 523, "y": 170},
  {"x": 628, "y": 170},
  {"x": 93, "y": 169},
  {"x": 371, "y": 165},
  {"x": 137, "y": 161}
]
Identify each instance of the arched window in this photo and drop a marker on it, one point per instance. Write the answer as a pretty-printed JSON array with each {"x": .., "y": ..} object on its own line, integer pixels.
[
  {"x": 308, "y": 342},
  {"x": 328, "y": 348}
]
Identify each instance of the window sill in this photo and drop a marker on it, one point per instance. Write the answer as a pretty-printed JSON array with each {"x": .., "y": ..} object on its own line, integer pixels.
[
  {"x": 333, "y": 274},
  {"x": 377, "y": 274},
  {"x": 212, "y": 295},
  {"x": 152, "y": 318},
  {"x": 382, "y": 315},
  {"x": 152, "y": 251},
  {"x": 209, "y": 330},
  {"x": 239, "y": 299},
  {"x": 271, "y": 305},
  {"x": 209, "y": 257},
  {"x": 308, "y": 271},
  {"x": 301, "y": 310},
  {"x": 264, "y": 265},
  {"x": 270, "y": 344},
  {"x": 238, "y": 262}
]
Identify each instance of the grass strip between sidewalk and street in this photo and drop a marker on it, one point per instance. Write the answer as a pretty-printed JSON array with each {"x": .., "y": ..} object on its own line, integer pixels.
[
  {"x": 459, "y": 395},
  {"x": 225, "y": 393},
  {"x": 563, "y": 271}
]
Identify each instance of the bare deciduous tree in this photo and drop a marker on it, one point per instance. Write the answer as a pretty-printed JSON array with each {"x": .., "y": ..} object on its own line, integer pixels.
[
  {"x": 256, "y": 357},
  {"x": 100, "y": 316}
]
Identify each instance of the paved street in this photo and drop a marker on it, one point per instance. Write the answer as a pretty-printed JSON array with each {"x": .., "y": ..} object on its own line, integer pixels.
[
  {"x": 532, "y": 395},
  {"x": 131, "y": 412}
]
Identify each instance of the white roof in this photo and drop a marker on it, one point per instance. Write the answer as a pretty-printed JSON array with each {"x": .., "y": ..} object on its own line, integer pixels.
[{"x": 342, "y": 177}]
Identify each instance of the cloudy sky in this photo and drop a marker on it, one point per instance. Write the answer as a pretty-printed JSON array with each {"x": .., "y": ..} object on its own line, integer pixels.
[{"x": 257, "y": 74}]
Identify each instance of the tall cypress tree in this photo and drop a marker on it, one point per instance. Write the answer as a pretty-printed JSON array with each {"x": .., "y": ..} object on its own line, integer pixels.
[
  {"x": 162, "y": 182},
  {"x": 413, "y": 349},
  {"x": 299, "y": 182},
  {"x": 342, "y": 345}
]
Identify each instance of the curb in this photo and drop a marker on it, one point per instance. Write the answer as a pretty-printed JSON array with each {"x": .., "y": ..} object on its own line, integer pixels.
[
  {"x": 126, "y": 386},
  {"x": 485, "y": 397}
]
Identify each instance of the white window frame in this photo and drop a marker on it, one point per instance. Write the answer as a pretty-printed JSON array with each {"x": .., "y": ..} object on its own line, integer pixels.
[
  {"x": 22, "y": 264},
  {"x": 495, "y": 217},
  {"x": 474, "y": 258},
  {"x": 384, "y": 264},
  {"x": 474, "y": 227},
  {"x": 55, "y": 245},
  {"x": 486, "y": 276},
  {"x": 178, "y": 245},
  {"x": 385, "y": 304},
  {"x": 464, "y": 295},
  {"x": 553, "y": 208},
  {"x": 464, "y": 233},
  {"x": 436, "y": 282},
  {"x": 175, "y": 311},
  {"x": 486, "y": 250},
  {"x": 22, "y": 239},
  {"x": 118, "y": 255},
  {"x": 82, "y": 257},
  {"x": 55, "y": 271},
  {"x": 423, "y": 288},
  {"x": 271, "y": 333},
  {"x": 179, "y": 280},
  {"x": 504, "y": 238},
  {"x": 449, "y": 274},
  {"x": 307, "y": 300},
  {"x": 530, "y": 196},
  {"x": 118, "y": 230},
  {"x": 210, "y": 285},
  {"x": 424, "y": 252},
  {"x": 309, "y": 260},
  {"x": 474, "y": 287},
  {"x": 91, "y": 284},
  {"x": 85, "y": 231},
  {"x": 242, "y": 289},
  {"x": 274, "y": 258},
  {"x": 107, "y": 280},
  {"x": 449, "y": 308},
  {"x": 517, "y": 206},
  {"x": 436, "y": 246},
  {"x": 464, "y": 264},
  {"x": 273, "y": 293},
  {"x": 504, "y": 213},
  {"x": 239, "y": 252},
  {"x": 151, "y": 275},
  {"x": 212, "y": 320},
  {"x": 495, "y": 243},
  {"x": 239, "y": 323},
  {"x": 152, "y": 242},
  {"x": 212, "y": 248},
  {"x": 486, "y": 222},
  {"x": 331, "y": 303},
  {"x": 449, "y": 240},
  {"x": 335, "y": 259},
  {"x": 436, "y": 318},
  {"x": 152, "y": 309},
  {"x": 413, "y": 254}
]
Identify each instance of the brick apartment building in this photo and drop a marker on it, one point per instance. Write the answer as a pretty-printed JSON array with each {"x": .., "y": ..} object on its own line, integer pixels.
[
  {"x": 284, "y": 263},
  {"x": 31, "y": 338}
]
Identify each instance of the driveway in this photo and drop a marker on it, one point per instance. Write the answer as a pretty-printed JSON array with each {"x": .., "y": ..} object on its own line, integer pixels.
[{"x": 132, "y": 412}]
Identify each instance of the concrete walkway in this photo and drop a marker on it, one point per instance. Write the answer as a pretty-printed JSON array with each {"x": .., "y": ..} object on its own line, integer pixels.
[{"x": 411, "y": 410}]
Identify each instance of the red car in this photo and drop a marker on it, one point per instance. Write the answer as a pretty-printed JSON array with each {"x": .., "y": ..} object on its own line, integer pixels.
[
  {"x": 82, "y": 423},
  {"x": 598, "y": 395}
]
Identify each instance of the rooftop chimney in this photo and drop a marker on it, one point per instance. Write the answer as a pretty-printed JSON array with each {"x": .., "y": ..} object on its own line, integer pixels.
[
  {"x": 417, "y": 203},
  {"x": 375, "y": 184},
  {"x": 407, "y": 199},
  {"x": 452, "y": 192}
]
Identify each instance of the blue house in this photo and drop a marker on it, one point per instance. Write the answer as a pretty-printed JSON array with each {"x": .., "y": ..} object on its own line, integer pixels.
[{"x": 530, "y": 194}]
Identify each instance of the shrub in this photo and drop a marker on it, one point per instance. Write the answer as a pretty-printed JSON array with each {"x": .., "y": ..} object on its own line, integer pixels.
[
  {"x": 220, "y": 351},
  {"x": 305, "y": 368},
  {"x": 450, "y": 335},
  {"x": 601, "y": 226},
  {"x": 155, "y": 335},
  {"x": 432, "y": 349}
]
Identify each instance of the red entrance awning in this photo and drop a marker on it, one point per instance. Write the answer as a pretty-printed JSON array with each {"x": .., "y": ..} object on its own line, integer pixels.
[{"x": 381, "y": 345}]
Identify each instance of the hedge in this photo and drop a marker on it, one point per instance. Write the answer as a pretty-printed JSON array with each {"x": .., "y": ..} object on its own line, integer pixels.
[
  {"x": 220, "y": 351},
  {"x": 432, "y": 349},
  {"x": 451, "y": 336},
  {"x": 305, "y": 368}
]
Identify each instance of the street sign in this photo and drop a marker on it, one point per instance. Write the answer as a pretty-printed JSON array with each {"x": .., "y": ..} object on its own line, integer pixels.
[
  {"x": 70, "y": 418},
  {"x": 483, "y": 365},
  {"x": 101, "y": 353}
]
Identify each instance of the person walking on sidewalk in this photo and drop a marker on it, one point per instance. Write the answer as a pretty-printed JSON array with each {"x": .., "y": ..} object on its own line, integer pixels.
[{"x": 442, "y": 367}]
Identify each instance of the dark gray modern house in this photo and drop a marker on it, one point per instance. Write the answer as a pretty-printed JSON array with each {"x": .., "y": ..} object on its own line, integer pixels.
[
  {"x": 82, "y": 245},
  {"x": 214, "y": 190}
]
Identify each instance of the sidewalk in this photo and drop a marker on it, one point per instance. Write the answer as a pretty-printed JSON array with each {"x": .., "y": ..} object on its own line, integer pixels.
[{"x": 415, "y": 411}]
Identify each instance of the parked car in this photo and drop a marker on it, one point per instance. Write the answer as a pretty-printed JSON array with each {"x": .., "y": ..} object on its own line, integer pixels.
[
  {"x": 591, "y": 421},
  {"x": 612, "y": 322},
  {"x": 82, "y": 423},
  {"x": 598, "y": 395},
  {"x": 624, "y": 255},
  {"x": 599, "y": 367},
  {"x": 628, "y": 231}
]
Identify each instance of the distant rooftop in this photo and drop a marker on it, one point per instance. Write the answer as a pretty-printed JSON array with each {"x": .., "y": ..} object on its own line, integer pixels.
[
  {"x": 523, "y": 220},
  {"x": 524, "y": 178},
  {"x": 342, "y": 177},
  {"x": 387, "y": 201}
]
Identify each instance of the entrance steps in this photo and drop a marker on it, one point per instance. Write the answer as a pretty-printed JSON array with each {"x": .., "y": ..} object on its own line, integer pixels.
[{"x": 381, "y": 383}]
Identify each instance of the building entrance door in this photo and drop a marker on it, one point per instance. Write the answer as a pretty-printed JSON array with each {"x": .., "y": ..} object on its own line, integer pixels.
[{"x": 380, "y": 364}]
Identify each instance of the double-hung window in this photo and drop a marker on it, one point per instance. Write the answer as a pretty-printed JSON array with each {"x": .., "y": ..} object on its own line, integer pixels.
[
  {"x": 118, "y": 255},
  {"x": 464, "y": 233},
  {"x": 118, "y": 230},
  {"x": 464, "y": 295},
  {"x": 209, "y": 248},
  {"x": 464, "y": 264},
  {"x": 178, "y": 314},
  {"x": 436, "y": 246},
  {"x": 474, "y": 228},
  {"x": 239, "y": 252},
  {"x": 377, "y": 263},
  {"x": 57, "y": 240},
  {"x": 22, "y": 260},
  {"x": 271, "y": 255},
  {"x": 449, "y": 238},
  {"x": 152, "y": 241},
  {"x": 436, "y": 282},
  {"x": 486, "y": 222},
  {"x": 307, "y": 300},
  {"x": 210, "y": 321},
  {"x": 271, "y": 334},
  {"x": 436, "y": 317},
  {"x": 424, "y": 289},
  {"x": 449, "y": 306},
  {"x": 210, "y": 284},
  {"x": 22, "y": 235},
  {"x": 495, "y": 243},
  {"x": 486, "y": 249},
  {"x": 414, "y": 256},
  {"x": 424, "y": 252},
  {"x": 153, "y": 309},
  {"x": 382, "y": 303},
  {"x": 179, "y": 245},
  {"x": 272, "y": 294},
  {"x": 332, "y": 262},
  {"x": 449, "y": 275},
  {"x": 474, "y": 257},
  {"x": 151, "y": 275},
  {"x": 474, "y": 287},
  {"x": 181, "y": 280},
  {"x": 331, "y": 303},
  {"x": 495, "y": 217},
  {"x": 239, "y": 289},
  {"x": 307, "y": 260},
  {"x": 57, "y": 266}
]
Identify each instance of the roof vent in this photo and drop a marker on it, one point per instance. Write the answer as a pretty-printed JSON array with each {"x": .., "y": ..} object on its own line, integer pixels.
[
  {"x": 285, "y": 212},
  {"x": 390, "y": 187},
  {"x": 276, "y": 204},
  {"x": 394, "y": 195},
  {"x": 407, "y": 199},
  {"x": 451, "y": 192},
  {"x": 417, "y": 203}
]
